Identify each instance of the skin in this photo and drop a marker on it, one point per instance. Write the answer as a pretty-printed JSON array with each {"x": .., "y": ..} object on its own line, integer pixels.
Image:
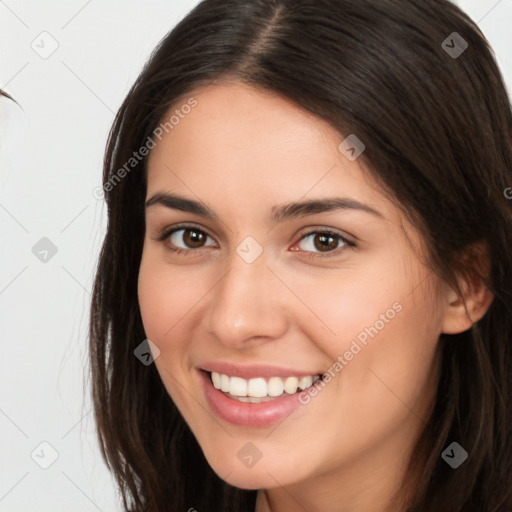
[{"x": 242, "y": 152}]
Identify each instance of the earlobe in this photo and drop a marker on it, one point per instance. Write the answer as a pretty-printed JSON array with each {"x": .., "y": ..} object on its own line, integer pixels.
[{"x": 463, "y": 311}]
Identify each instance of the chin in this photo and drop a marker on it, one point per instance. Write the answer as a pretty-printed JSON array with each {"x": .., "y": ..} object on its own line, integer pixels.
[
  {"x": 259, "y": 476},
  {"x": 251, "y": 479}
]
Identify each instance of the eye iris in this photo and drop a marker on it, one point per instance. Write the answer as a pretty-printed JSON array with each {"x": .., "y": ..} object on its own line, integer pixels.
[
  {"x": 325, "y": 242},
  {"x": 193, "y": 238}
]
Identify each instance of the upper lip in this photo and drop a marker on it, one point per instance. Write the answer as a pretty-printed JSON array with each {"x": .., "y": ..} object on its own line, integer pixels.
[{"x": 253, "y": 371}]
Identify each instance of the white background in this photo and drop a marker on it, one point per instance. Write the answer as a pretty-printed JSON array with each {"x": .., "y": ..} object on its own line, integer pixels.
[{"x": 50, "y": 163}]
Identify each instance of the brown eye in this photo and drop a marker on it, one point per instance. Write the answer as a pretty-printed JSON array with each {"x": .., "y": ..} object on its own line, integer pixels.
[
  {"x": 189, "y": 238},
  {"x": 322, "y": 242},
  {"x": 325, "y": 242},
  {"x": 194, "y": 238}
]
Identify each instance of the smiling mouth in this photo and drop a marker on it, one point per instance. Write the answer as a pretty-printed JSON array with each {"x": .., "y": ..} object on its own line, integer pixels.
[{"x": 259, "y": 389}]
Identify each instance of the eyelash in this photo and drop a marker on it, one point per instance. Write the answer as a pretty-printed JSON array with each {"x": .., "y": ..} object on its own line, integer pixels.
[{"x": 313, "y": 255}]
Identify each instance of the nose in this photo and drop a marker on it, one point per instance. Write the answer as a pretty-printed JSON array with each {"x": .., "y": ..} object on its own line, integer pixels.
[{"x": 247, "y": 306}]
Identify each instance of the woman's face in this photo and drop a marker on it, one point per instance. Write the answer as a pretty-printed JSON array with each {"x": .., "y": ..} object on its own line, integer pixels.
[{"x": 285, "y": 262}]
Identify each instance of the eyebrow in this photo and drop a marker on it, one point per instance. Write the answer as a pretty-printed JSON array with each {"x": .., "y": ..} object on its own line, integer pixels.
[{"x": 279, "y": 213}]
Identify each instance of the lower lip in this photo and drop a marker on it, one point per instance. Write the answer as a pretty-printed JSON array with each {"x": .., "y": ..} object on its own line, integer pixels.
[{"x": 246, "y": 414}]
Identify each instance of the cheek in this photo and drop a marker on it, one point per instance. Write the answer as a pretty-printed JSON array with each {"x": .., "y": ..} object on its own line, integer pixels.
[
  {"x": 345, "y": 305},
  {"x": 382, "y": 336},
  {"x": 155, "y": 302},
  {"x": 363, "y": 301},
  {"x": 166, "y": 296},
  {"x": 165, "y": 299},
  {"x": 389, "y": 359}
]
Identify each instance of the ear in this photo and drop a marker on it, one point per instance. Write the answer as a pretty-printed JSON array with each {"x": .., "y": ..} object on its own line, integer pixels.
[{"x": 462, "y": 312}]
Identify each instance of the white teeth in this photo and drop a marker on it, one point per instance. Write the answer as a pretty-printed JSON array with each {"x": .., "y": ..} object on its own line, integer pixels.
[
  {"x": 275, "y": 386},
  {"x": 253, "y": 400},
  {"x": 256, "y": 387},
  {"x": 305, "y": 382},
  {"x": 224, "y": 383},
  {"x": 216, "y": 379},
  {"x": 238, "y": 386},
  {"x": 259, "y": 389},
  {"x": 291, "y": 384}
]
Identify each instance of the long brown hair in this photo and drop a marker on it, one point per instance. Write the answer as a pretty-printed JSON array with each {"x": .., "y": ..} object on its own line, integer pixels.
[{"x": 438, "y": 133}]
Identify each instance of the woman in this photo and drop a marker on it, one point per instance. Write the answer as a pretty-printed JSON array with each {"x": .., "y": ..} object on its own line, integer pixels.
[{"x": 303, "y": 297}]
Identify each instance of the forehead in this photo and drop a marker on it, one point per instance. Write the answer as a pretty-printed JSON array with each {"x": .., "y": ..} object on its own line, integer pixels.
[{"x": 248, "y": 147}]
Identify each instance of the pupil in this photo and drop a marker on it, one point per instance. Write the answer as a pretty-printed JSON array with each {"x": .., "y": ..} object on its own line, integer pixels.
[
  {"x": 194, "y": 238},
  {"x": 324, "y": 242}
]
